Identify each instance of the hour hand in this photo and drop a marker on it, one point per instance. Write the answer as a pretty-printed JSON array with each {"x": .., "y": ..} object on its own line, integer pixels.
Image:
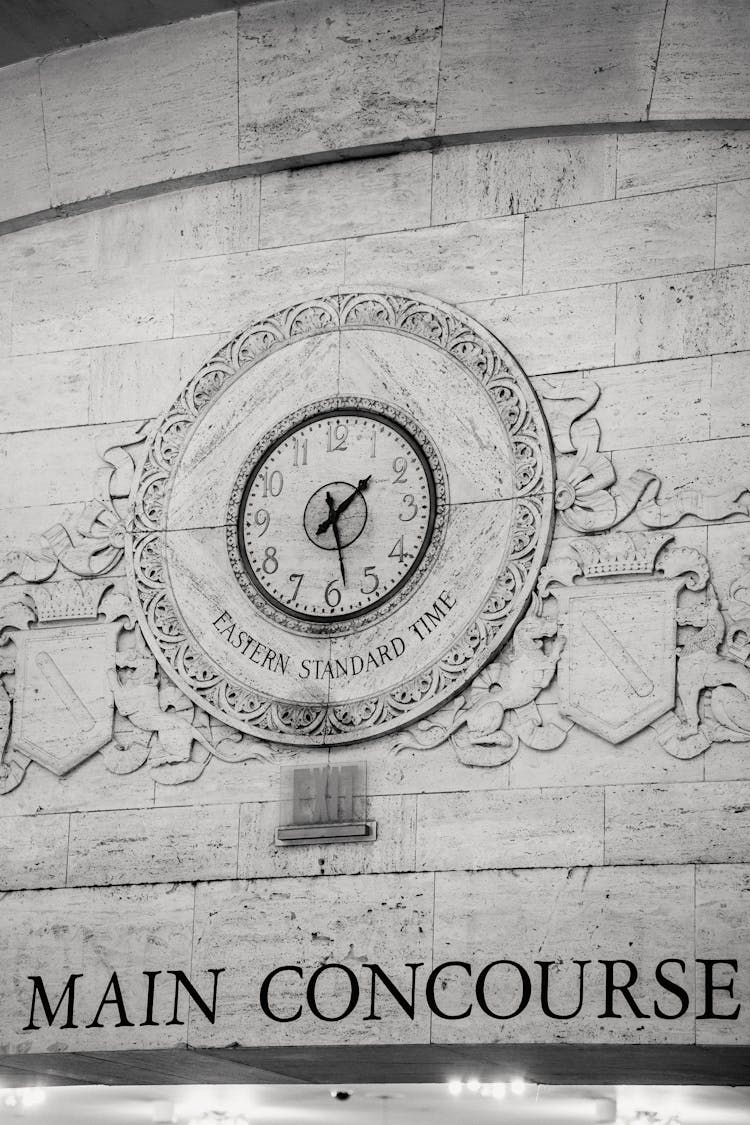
[{"x": 333, "y": 518}]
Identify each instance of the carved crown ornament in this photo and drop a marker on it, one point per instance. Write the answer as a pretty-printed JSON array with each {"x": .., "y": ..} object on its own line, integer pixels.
[{"x": 339, "y": 532}]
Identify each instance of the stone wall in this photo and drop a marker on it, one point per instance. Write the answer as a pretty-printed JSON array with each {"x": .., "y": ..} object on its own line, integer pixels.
[
  {"x": 624, "y": 258},
  {"x": 282, "y": 81}
]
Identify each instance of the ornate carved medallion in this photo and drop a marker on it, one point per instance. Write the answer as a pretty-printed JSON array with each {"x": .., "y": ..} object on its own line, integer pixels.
[{"x": 341, "y": 518}]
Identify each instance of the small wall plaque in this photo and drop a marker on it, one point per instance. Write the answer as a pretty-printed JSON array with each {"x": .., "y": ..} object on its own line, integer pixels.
[{"x": 325, "y": 805}]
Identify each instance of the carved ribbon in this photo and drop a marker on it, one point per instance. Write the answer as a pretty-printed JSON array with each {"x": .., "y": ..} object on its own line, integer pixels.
[{"x": 691, "y": 502}]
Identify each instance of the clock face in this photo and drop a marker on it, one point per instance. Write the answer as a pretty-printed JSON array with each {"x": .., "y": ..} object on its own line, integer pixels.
[{"x": 337, "y": 514}]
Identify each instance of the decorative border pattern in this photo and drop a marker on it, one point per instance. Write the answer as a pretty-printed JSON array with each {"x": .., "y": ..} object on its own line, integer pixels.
[{"x": 487, "y": 361}]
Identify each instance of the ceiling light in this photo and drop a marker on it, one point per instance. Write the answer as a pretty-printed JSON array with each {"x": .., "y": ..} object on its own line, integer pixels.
[
  {"x": 473, "y": 1085},
  {"x": 455, "y": 1086},
  {"x": 32, "y": 1097},
  {"x": 498, "y": 1090},
  {"x": 517, "y": 1086}
]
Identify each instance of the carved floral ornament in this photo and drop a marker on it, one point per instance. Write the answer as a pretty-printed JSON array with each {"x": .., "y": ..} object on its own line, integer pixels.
[{"x": 103, "y": 620}]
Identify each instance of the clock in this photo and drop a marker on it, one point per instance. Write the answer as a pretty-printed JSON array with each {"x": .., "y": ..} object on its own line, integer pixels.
[
  {"x": 340, "y": 518},
  {"x": 337, "y": 511}
]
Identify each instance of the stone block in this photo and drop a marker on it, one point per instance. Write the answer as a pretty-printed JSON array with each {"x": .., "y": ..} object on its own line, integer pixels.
[
  {"x": 587, "y": 759},
  {"x": 705, "y": 466},
  {"x": 522, "y": 828},
  {"x": 510, "y": 177},
  {"x": 730, "y": 395},
  {"x": 39, "y": 392},
  {"x": 587, "y": 67},
  {"x": 141, "y": 380},
  {"x": 419, "y": 771},
  {"x": 352, "y": 921},
  {"x": 462, "y": 262},
  {"x": 90, "y": 786},
  {"x": 733, "y": 224},
  {"x": 153, "y": 845},
  {"x": 6, "y": 291},
  {"x": 619, "y": 240},
  {"x": 65, "y": 462},
  {"x": 195, "y": 223},
  {"x": 33, "y": 851},
  {"x": 704, "y": 58},
  {"x": 336, "y": 200},
  {"x": 559, "y": 916},
  {"x": 20, "y": 525},
  {"x": 651, "y": 403},
  {"x": 728, "y": 761},
  {"x": 142, "y": 108},
  {"x": 706, "y": 822},
  {"x": 315, "y": 78},
  {"x": 130, "y": 930},
  {"x": 48, "y": 249},
  {"x": 692, "y": 314},
  {"x": 24, "y": 178},
  {"x": 92, "y": 308},
  {"x": 225, "y": 292},
  {"x": 392, "y": 850},
  {"x": 253, "y": 781},
  {"x": 558, "y": 331},
  {"x": 648, "y": 162},
  {"x": 722, "y": 931}
]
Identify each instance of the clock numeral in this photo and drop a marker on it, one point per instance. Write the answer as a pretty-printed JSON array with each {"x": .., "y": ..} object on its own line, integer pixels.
[
  {"x": 270, "y": 562},
  {"x": 272, "y": 483},
  {"x": 399, "y": 468},
  {"x": 332, "y": 594},
  {"x": 262, "y": 519},
  {"x": 298, "y": 579},
  {"x": 300, "y": 452},
  {"x": 411, "y": 507},
  {"x": 397, "y": 550},
  {"x": 370, "y": 573},
  {"x": 338, "y": 436}
]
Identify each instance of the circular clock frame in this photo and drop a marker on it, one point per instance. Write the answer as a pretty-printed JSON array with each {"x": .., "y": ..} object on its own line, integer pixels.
[
  {"x": 425, "y": 449},
  {"x": 479, "y": 413}
]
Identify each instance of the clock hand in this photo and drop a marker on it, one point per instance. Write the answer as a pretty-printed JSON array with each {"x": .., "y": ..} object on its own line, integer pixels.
[
  {"x": 335, "y": 512},
  {"x": 336, "y": 536}
]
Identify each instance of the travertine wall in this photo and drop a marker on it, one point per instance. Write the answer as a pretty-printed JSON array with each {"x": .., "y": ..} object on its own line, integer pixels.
[
  {"x": 285, "y": 79},
  {"x": 626, "y": 257}
]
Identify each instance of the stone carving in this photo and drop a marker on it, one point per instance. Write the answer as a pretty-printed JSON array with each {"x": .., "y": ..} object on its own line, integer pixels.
[
  {"x": 485, "y": 725},
  {"x": 713, "y": 678},
  {"x": 165, "y": 728},
  {"x": 167, "y": 562},
  {"x": 79, "y": 675},
  {"x": 92, "y": 543},
  {"x": 588, "y": 495},
  {"x": 617, "y": 611}
]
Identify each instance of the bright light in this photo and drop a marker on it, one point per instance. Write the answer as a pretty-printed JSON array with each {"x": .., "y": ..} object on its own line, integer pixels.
[
  {"x": 517, "y": 1086},
  {"x": 455, "y": 1086},
  {"x": 33, "y": 1097},
  {"x": 473, "y": 1085},
  {"x": 11, "y": 1101},
  {"x": 498, "y": 1090},
  {"x": 485, "y": 1090}
]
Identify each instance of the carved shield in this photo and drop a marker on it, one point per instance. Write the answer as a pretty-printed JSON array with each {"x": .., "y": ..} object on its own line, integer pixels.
[
  {"x": 64, "y": 705},
  {"x": 617, "y": 671}
]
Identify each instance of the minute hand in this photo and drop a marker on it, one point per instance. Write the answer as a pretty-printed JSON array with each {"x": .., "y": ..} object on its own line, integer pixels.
[{"x": 334, "y": 514}]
